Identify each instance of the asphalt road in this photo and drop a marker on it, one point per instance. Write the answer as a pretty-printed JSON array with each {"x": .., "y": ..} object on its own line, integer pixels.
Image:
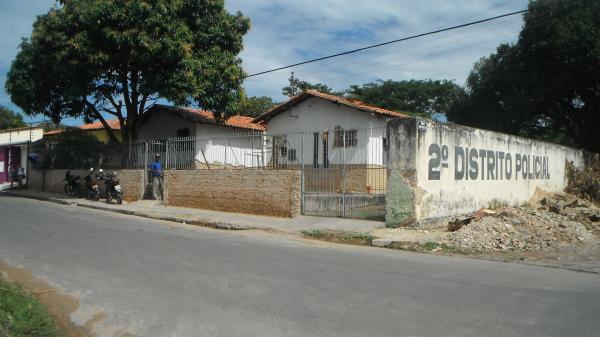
[{"x": 152, "y": 278}]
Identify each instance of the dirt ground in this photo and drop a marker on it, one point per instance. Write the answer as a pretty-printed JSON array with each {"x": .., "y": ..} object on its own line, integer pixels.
[
  {"x": 60, "y": 305},
  {"x": 556, "y": 229}
]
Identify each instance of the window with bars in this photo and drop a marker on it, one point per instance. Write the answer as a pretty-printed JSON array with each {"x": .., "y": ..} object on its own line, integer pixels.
[
  {"x": 344, "y": 138},
  {"x": 291, "y": 154}
]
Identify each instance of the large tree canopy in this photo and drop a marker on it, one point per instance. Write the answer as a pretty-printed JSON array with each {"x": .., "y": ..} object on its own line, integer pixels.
[
  {"x": 87, "y": 57},
  {"x": 548, "y": 83},
  {"x": 10, "y": 119},
  {"x": 419, "y": 97},
  {"x": 255, "y": 105},
  {"x": 494, "y": 100}
]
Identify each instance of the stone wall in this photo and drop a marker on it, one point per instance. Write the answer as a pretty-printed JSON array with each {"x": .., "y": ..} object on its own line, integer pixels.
[
  {"x": 51, "y": 181},
  {"x": 264, "y": 192},
  {"x": 438, "y": 170}
]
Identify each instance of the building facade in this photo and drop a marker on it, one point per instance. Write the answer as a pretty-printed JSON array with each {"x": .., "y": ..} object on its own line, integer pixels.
[{"x": 14, "y": 150}]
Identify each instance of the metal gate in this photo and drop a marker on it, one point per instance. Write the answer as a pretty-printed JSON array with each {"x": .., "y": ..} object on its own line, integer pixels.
[
  {"x": 175, "y": 154},
  {"x": 348, "y": 174}
]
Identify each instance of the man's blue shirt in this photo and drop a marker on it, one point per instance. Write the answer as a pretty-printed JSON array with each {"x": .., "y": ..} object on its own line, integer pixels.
[{"x": 156, "y": 169}]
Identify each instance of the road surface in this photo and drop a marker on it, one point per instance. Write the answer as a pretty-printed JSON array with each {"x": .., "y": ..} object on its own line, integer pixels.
[{"x": 153, "y": 278}]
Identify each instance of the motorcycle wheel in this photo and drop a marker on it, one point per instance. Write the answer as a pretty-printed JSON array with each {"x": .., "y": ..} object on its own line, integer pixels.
[
  {"x": 120, "y": 199},
  {"x": 108, "y": 198},
  {"x": 68, "y": 189}
]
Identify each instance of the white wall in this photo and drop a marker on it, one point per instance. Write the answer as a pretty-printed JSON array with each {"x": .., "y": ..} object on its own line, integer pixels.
[
  {"x": 221, "y": 145},
  {"x": 317, "y": 114},
  {"x": 451, "y": 185},
  {"x": 20, "y": 136},
  {"x": 162, "y": 125}
]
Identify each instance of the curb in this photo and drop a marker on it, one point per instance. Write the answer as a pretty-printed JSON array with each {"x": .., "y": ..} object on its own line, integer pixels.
[{"x": 186, "y": 221}]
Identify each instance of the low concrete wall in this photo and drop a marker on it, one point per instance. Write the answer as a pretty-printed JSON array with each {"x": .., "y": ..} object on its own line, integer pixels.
[
  {"x": 438, "y": 170},
  {"x": 264, "y": 192},
  {"x": 51, "y": 181}
]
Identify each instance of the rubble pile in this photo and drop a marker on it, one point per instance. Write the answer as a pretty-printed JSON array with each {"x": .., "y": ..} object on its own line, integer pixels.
[
  {"x": 547, "y": 223},
  {"x": 585, "y": 183}
]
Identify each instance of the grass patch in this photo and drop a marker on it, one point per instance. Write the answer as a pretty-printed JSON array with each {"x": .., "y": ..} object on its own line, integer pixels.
[
  {"x": 356, "y": 238},
  {"x": 429, "y": 246},
  {"x": 22, "y": 315}
]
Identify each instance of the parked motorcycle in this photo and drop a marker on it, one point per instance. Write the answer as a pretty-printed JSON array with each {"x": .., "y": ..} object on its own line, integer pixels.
[
  {"x": 72, "y": 184},
  {"x": 113, "y": 188},
  {"x": 91, "y": 183}
]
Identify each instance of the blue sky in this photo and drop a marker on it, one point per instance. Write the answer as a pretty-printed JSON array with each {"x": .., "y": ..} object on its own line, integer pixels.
[{"x": 288, "y": 31}]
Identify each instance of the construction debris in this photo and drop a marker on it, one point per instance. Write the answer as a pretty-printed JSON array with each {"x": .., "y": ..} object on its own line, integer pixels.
[
  {"x": 585, "y": 183},
  {"x": 458, "y": 223},
  {"x": 546, "y": 223}
]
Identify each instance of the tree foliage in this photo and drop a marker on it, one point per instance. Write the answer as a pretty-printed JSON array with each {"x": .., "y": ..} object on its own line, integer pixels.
[
  {"x": 74, "y": 149},
  {"x": 493, "y": 99},
  {"x": 548, "y": 83},
  {"x": 297, "y": 86},
  {"x": 10, "y": 119},
  {"x": 86, "y": 58},
  {"x": 254, "y": 106},
  {"x": 418, "y": 97}
]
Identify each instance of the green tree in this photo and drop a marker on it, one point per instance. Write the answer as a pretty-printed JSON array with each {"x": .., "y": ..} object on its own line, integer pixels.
[
  {"x": 297, "y": 86},
  {"x": 254, "y": 106},
  {"x": 493, "y": 100},
  {"x": 417, "y": 97},
  {"x": 548, "y": 83},
  {"x": 86, "y": 58},
  {"x": 10, "y": 119}
]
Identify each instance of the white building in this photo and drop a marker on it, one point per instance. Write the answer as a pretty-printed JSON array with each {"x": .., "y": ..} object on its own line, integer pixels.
[
  {"x": 321, "y": 130},
  {"x": 13, "y": 149},
  {"x": 196, "y": 135}
]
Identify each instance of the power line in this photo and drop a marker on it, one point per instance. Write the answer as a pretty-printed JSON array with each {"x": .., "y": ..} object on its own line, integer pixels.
[{"x": 389, "y": 42}]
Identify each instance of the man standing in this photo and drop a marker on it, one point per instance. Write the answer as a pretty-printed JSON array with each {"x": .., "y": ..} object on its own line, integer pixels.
[{"x": 157, "y": 178}]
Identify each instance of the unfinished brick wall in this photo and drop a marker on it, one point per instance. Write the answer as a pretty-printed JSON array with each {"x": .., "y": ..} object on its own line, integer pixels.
[
  {"x": 264, "y": 192},
  {"x": 132, "y": 182},
  {"x": 347, "y": 178},
  {"x": 51, "y": 181}
]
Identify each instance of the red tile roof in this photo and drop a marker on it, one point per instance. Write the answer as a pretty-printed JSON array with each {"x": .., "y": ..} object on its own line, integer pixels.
[
  {"x": 113, "y": 123},
  {"x": 351, "y": 102},
  {"x": 206, "y": 117},
  {"x": 53, "y": 132}
]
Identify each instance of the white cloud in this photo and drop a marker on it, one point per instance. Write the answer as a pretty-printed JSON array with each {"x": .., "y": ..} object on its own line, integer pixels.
[
  {"x": 285, "y": 32},
  {"x": 288, "y": 31}
]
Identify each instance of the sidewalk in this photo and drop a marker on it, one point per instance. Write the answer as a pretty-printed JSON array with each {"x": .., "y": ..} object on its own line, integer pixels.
[{"x": 222, "y": 220}]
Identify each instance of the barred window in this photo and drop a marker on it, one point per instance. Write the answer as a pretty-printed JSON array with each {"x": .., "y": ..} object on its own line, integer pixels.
[
  {"x": 351, "y": 139},
  {"x": 345, "y": 138},
  {"x": 292, "y": 154},
  {"x": 338, "y": 136},
  {"x": 280, "y": 145}
]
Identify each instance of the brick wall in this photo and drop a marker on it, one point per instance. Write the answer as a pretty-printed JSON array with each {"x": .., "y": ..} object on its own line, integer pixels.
[
  {"x": 51, "y": 181},
  {"x": 347, "y": 178},
  {"x": 132, "y": 182},
  {"x": 263, "y": 192}
]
